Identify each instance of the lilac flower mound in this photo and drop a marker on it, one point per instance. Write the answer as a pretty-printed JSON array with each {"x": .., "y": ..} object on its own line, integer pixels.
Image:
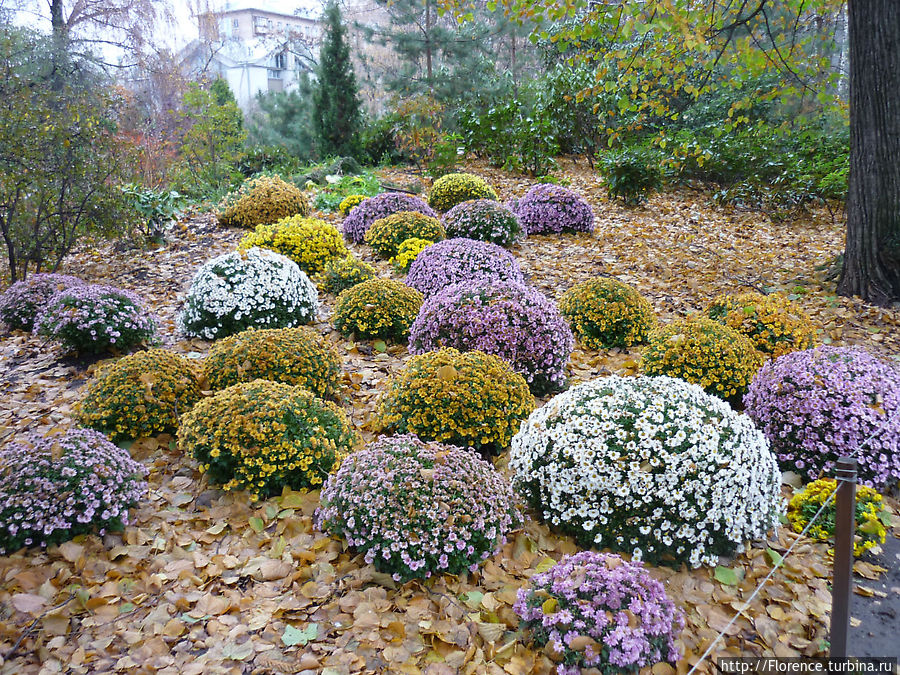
[
  {"x": 91, "y": 319},
  {"x": 416, "y": 509},
  {"x": 454, "y": 261},
  {"x": 517, "y": 323},
  {"x": 483, "y": 219},
  {"x": 53, "y": 489},
  {"x": 818, "y": 404},
  {"x": 21, "y": 302},
  {"x": 374, "y": 208},
  {"x": 596, "y": 610},
  {"x": 548, "y": 209}
]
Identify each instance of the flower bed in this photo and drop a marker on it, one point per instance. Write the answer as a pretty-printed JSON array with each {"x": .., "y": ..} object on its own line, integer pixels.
[
  {"x": 457, "y": 260},
  {"x": 23, "y": 301},
  {"x": 550, "y": 209},
  {"x": 360, "y": 219},
  {"x": 454, "y": 188},
  {"x": 484, "y": 220},
  {"x": 605, "y": 313},
  {"x": 377, "y": 308},
  {"x": 260, "y": 201},
  {"x": 309, "y": 242},
  {"x": 386, "y": 234},
  {"x": 774, "y": 324},
  {"x": 407, "y": 253},
  {"x": 342, "y": 273}
]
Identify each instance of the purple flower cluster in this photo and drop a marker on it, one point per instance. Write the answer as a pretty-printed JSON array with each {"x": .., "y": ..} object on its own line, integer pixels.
[
  {"x": 21, "y": 302},
  {"x": 515, "y": 322},
  {"x": 483, "y": 219},
  {"x": 454, "y": 261},
  {"x": 52, "y": 489},
  {"x": 596, "y": 610},
  {"x": 360, "y": 219},
  {"x": 817, "y": 405},
  {"x": 548, "y": 209},
  {"x": 417, "y": 509}
]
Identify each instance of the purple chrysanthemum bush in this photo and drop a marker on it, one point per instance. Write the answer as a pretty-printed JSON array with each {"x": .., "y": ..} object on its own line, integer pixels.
[
  {"x": 596, "y": 610},
  {"x": 515, "y": 322},
  {"x": 484, "y": 220},
  {"x": 550, "y": 209},
  {"x": 415, "y": 509},
  {"x": 53, "y": 489},
  {"x": 22, "y": 302},
  {"x": 453, "y": 261},
  {"x": 360, "y": 219},
  {"x": 819, "y": 404}
]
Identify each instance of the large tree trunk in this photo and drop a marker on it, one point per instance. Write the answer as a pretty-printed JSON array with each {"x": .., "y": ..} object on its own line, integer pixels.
[{"x": 872, "y": 253}]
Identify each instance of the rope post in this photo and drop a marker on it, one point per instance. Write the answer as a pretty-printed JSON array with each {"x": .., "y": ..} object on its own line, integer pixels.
[{"x": 844, "y": 521}]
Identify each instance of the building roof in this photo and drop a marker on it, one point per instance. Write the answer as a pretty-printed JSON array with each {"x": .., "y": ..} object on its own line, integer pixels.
[{"x": 302, "y": 8}]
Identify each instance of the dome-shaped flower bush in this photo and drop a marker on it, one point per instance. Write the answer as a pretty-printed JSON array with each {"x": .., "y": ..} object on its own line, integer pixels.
[
  {"x": 407, "y": 253},
  {"x": 651, "y": 466},
  {"x": 484, "y": 220},
  {"x": 23, "y": 301},
  {"x": 596, "y": 610},
  {"x": 309, "y": 242},
  {"x": 517, "y": 323},
  {"x": 417, "y": 509},
  {"x": 342, "y": 273},
  {"x": 53, "y": 489},
  {"x": 548, "y": 209},
  {"x": 350, "y": 202},
  {"x": 377, "y": 308},
  {"x": 776, "y": 325},
  {"x": 261, "y": 436},
  {"x": 142, "y": 394},
  {"x": 297, "y": 356},
  {"x": 606, "y": 313},
  {"x": 90, "y": 319},
  {"x": 454, "y": 261},
  {"x": 470, "y": 399},
  {"x": 817, "y": 405},
  {"x": 386, "y": 234},
  {"x": 702, "y": 351},
  {"x": 454, "y": 188},
  {"x": 256, "y": 288},
  {"x": 260, "y": 201},
  {"x": 360, "y": 219}
]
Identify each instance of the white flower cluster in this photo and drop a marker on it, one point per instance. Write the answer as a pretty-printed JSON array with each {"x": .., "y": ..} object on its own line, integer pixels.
[
  {"x": 252, "y": 288},
  {"x": 651, "y": 466}
]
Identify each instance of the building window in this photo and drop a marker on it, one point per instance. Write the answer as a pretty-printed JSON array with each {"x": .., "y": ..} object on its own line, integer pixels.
[
  {"x": 281, "y": 61},
  {"x": 274, "y": 74},
  {"x": 235, "y": 23}
]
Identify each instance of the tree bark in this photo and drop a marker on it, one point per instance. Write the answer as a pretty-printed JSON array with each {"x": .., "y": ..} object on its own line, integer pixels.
[
  {"x": 428, "y": 28},
  {"x": 872, "y": 251}
]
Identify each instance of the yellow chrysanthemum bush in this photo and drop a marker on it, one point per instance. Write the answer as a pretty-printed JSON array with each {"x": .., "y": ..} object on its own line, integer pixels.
[
  {"x": 776, "y": 325},
  {"x": 386, "y": 234},
  {"x": 470, "y": 399},
  {"x": 407, "y": 253},
  {"x": 340, "y": 274},
  {"x": 141, "y": 394},
  {"x": 309, "y": 242},
  {"x": 348, "y": 202},
  {"x": 870, "y": 530},
  {"x": 377, "y": 308},
  {"x": 261, "y": 436},
  {"x": 260, "y": 201},
  {"x": 297, "y": 356},
  {"x": 704, "y": 352},
  {"x": 455, "y": 188},
  {"x": 606, "y": 313}
]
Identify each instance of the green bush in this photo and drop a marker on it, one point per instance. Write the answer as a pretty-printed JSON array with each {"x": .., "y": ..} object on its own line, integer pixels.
[{"x": 630, "y": 173}]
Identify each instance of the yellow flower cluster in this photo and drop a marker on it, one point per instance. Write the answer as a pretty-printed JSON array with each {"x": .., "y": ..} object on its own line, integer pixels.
[
  {"x": 870, "y": 531},
  {"x": 348, "y": 202},
  {"x": 141, "y": 394},
  {"x": 470, "y": 399},
  {"x": 381, "y": 308},
  {"x": 261, "y": 201},
  {"x": 606, "y": 313},
  {"x": 261, "y": 436},
  {"x": 775, "y": 324},
  {"x": 386, "y": 234},
  {"x": 702, "y": 351},
  {"x": 309, "y": 242},
  {"x": 341, "y": 273},
  {"x": 455, "y": 188},
  {"x": 407, "y": 252},
  {"x": 297, "y": 356}
]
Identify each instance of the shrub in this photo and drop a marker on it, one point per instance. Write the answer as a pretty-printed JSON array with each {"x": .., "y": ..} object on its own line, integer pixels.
[
  {"x": 514, "y": 322},
  {"x": 262, "y": 436},
  {"x": 348, "y": 203},
  {"x": 817, "y": 405},
  {"x": 701, "y": 351},
  {"x": 630, "y": 173},
  {"x": 454, "y": 188},
  {"x": 549, "y": 209},
  {"x": 454, "y": 261},
  {"x": 407, "y": 253},
  {"x": 260, "y": 201},
  {"x": 606, "y": 313},
  {"x": 53, "y": 489},
  {"x": 377, "y": 308},
  {"x": 309, "y": 242},
  {"x": 246, "y": 289},
  {"x": 374, "y": 208},
  {"x": 90, "y": 319},
  {"x": 467, "y": 399},
  {"x": 652, "y": 466},
  {"x": 23, "y": 301},
  {"x": 774, "y": 324},
  {"x": 342, "y": 273},
  {"x": 417, "y": 509},
  {"x": 300, "y": 357},
  {"x": 142, "y": 394},
  {"x": 386, "y": 234},
  {"x": 596, "y": 610},
  {"x": 484, "y": 220}
]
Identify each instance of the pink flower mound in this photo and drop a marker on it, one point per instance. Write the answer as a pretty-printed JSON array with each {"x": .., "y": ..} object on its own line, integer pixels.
[
  {"x": 549, "y": 209},
  {"x": 591, "y": 625},
  {"x": 22, "y": 302},
  {"x": 454, "y": 261},
  {"x": 360, "y": 219}
]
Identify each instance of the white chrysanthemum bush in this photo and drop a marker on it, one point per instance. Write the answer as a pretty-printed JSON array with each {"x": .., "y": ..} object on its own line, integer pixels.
[
  {"x": 651, "y": 466},
  {"x": 255, "y": 288}
]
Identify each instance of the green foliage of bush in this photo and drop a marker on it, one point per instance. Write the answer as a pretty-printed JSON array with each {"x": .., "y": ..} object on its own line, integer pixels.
[
  {"x": 630, "y": 173},
  {"x": 331, "y": 194}
]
